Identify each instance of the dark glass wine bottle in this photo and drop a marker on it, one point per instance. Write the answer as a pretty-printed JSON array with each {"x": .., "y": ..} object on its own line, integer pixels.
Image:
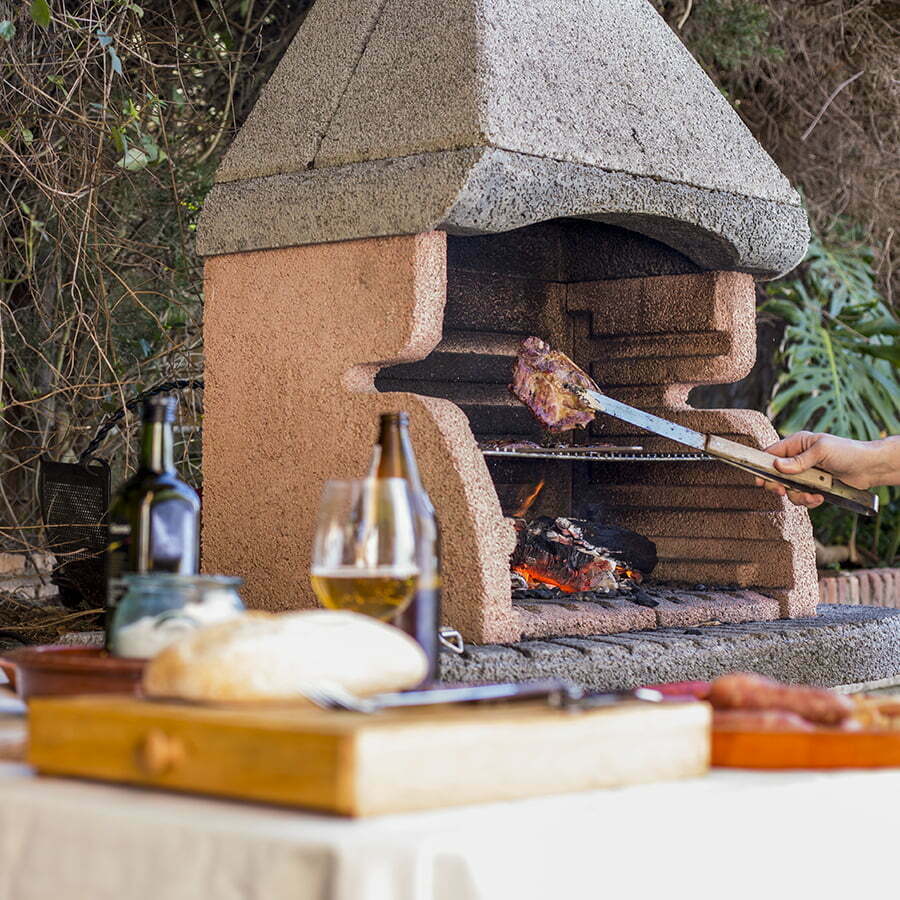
[
  {"x": 154, "y": 519},
  {"x": 422, "y": 618}
]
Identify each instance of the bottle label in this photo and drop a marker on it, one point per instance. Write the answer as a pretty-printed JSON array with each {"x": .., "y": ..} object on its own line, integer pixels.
[
  {"x": 117, "y": 551},
  {"x": 172, "y": 539}
]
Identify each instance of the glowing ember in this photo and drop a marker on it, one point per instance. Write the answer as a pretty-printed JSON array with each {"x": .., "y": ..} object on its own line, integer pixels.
[{"x": 534, "y": 578}]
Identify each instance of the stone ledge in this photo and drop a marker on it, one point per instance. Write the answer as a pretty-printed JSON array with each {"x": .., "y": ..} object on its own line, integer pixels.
[
  {"x": 841, "y": 645},
  {"x": 27, "y": 587},
  {"x": 26, "y": 563}
]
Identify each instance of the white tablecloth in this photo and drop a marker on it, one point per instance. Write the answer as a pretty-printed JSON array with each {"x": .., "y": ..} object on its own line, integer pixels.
[{"x": 729, "y": 835}]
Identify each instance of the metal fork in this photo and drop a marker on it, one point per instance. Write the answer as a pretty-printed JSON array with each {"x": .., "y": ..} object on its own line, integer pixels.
[{"x": 558, "y": 693}]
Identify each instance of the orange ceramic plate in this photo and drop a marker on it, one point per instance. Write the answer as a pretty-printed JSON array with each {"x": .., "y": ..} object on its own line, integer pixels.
[{"x": 806, "y": 749}]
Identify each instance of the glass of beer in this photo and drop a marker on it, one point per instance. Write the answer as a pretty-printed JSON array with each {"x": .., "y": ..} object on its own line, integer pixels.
[{"x": 364, "y": 550}]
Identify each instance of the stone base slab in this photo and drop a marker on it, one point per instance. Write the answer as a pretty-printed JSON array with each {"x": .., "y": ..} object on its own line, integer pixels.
[
  {"x": 841, "y": 645},
  {"x": 666, "y": 607}
]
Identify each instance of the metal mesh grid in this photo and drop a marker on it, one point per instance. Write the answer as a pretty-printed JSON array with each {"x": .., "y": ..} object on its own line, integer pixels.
[
  {"x": 575, "y": 454},
  {"x": 74, "y": 501}
]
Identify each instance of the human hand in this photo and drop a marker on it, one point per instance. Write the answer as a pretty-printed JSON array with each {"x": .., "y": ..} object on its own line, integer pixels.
[{"x": 853, "y": 462}]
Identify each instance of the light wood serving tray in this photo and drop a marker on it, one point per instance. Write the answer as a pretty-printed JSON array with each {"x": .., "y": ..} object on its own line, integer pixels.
[{"x": 358, "y": 765}]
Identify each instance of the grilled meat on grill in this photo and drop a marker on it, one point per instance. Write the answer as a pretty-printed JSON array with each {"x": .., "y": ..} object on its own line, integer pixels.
[{"x": 539, "y": 381}]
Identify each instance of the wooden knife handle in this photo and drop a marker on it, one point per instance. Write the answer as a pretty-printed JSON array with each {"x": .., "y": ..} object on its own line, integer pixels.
[{"x": 814, "y": 481}]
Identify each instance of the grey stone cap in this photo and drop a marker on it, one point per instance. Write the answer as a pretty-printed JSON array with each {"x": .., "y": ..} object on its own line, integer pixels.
[
  {"x": 398, "y": 116},
  {"x": 484, "y": 191}
]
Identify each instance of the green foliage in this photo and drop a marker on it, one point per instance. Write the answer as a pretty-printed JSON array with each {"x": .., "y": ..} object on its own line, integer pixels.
[
  {"x": 113, "y": 117},
  {"x": 135, "y": 135},
  {"x": 40, "y": 13},
  {"x": 106, "y": 42},
  {"x": 730, "y": 33},
  {"x": 840, "y": 368},
  {"x": 724, "y": 35},
  {"x": 876, "y": 540}
]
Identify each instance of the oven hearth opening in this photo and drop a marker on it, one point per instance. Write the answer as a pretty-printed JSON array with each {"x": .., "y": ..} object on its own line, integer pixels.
[{"x": 648, "y": 326}]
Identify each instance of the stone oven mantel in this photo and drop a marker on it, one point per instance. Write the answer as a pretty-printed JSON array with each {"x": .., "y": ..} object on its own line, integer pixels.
[{"x": 394, "y": 117}]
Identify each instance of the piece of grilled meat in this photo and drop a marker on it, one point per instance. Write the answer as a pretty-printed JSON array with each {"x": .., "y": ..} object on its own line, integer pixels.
[{"x": 539, "y": 381}]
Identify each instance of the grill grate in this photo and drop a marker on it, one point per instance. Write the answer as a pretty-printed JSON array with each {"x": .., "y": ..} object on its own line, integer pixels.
[{"x": 616, "y": 454}]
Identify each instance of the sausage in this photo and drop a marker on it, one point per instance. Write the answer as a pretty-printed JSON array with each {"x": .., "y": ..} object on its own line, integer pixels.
[
  {"x": 759, "y": 720},
  {"x": 746, "y": 691}
]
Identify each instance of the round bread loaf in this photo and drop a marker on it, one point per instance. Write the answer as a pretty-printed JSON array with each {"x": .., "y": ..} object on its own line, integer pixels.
[{"x": 264, "y": 656}]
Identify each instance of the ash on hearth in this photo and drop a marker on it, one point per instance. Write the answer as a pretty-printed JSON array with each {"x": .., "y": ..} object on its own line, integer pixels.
[{"x": 576, "y": 555}]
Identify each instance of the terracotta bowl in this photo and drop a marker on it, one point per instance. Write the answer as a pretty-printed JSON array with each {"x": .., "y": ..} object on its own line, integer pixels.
[{"x": 55, "y": 670}]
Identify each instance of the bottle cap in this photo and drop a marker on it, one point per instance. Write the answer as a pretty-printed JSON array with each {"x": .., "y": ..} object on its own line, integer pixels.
[{"x": 159, "y": 409}]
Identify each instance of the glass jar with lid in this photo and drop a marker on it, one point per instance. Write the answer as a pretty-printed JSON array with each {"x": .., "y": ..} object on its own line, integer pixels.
[{"x": 158, "y": 608}]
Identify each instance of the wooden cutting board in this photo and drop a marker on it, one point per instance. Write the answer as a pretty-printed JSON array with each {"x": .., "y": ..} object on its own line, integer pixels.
[
  {"x": 358, "y": 765},
  {"x": 806, "y": 749}
]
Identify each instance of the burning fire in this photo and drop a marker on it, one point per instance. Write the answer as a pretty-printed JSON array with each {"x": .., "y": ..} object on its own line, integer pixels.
[
  {"x": 526, "y": 503},
  {"x": 574, "y": 555}
]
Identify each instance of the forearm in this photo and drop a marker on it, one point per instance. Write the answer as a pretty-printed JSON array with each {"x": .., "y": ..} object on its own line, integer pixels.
[
  {"x": 885, "y": 468},
  {"x": 861, "y": 464}
]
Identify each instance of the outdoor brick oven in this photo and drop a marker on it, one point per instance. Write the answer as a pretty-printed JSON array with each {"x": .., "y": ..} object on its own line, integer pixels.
[{"x": 421, "y": 185}]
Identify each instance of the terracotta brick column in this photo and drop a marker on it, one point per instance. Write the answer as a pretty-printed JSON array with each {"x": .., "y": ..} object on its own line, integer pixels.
[{"x": 293, "y": 340}]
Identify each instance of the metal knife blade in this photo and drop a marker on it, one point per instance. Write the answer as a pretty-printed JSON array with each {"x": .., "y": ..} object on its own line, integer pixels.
[
  {"x": 749, "y": 460},
  {"x": 647, "y": 421},
  {"x": 558, "y": 692}
]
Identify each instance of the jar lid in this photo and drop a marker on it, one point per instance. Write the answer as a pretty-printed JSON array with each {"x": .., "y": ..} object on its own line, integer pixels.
[{"x": 172, "y": 580}]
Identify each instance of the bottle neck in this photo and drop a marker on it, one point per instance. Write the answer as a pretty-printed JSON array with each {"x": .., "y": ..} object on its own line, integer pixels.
[
  {"x": 157, "y": 453},
  {"x": 397, "y": 459}
]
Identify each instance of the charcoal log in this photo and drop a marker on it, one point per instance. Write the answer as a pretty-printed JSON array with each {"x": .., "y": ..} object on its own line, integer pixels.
[
  {"x": 633, "y": 548},
  {"x": 578, "y": 555}
]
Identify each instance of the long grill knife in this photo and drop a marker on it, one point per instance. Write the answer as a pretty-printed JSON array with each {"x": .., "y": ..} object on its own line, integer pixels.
[{"x": 757, "y": 462}]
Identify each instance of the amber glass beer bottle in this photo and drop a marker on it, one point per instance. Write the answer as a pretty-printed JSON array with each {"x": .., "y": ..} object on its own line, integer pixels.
[
  {"x": 154, "y": 519},
  {"x": 422, "y": 617}
]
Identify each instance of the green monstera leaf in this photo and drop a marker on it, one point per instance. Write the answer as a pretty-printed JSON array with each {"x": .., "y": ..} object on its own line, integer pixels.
[{"x": 840, "y": 358}]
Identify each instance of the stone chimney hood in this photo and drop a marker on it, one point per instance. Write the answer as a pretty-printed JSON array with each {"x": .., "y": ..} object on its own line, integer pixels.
[{"x": 393, "y": 117}]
